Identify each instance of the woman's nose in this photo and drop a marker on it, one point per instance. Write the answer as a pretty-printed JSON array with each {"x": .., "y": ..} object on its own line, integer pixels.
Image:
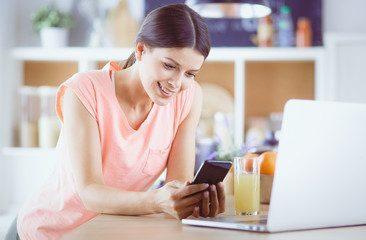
[{"x": 176, "y": 81}]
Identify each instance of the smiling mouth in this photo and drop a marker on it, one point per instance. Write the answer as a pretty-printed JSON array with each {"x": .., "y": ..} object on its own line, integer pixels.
[{"x": 166, "y": 92}]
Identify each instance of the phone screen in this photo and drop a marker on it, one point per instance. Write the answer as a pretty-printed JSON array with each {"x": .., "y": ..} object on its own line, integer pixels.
[{"x": 212, "y": 172}]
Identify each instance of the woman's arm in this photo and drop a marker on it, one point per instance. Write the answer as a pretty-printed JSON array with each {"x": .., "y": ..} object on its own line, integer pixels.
[
  {"x": 182, "y": 154},
  {"x": 82, "y": 135},
  {"x": 182, "y": 159}
]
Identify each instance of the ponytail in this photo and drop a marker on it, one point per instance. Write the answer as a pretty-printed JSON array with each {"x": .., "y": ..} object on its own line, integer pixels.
[{"x": 129, "y": 61}]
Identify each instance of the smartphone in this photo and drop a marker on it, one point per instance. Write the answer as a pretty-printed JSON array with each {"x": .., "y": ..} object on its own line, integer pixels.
[{"x": 212, "y": 172}]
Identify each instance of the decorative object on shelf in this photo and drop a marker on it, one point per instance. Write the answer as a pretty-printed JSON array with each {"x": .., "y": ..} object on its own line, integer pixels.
[
  {"x": 52, "y": 24},
  {"x": 231, "y": 8},
  {"x": 256, "y": 128},
  {"x": 96, "y": 12},
  {"x": 49, "y": 126},
  {"x": 39, "y": 126},
  {"x": 215, "y": 99},
  {"x": 265, "y": 32},
  {"x": 303, "y": 33},
  {"x": 205, "y": 146},
  {"x": 226, "y": 147},
  {"x": 28, "y": 129},
  {"x": 124, "y": 24}
]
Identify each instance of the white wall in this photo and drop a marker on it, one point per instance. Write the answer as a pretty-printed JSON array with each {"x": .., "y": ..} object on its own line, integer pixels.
[
  {"x": 344, "y": 23},
  {"x": 6, "y": 41},
  {"x": 346, "y": 16}
]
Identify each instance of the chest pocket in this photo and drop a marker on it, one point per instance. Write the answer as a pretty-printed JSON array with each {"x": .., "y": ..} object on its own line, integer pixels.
[{"x": 156, "y": 161}]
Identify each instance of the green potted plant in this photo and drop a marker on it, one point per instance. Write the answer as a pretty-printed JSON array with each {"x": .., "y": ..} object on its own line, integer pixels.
[{"x": 52, "y": 24}]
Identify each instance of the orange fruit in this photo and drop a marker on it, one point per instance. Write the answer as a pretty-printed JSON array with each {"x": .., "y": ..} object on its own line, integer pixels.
[
  {"x": 249, "y": 163},
  {"x": 251, "y": 155},
  {"x": 268, "y": 164}
]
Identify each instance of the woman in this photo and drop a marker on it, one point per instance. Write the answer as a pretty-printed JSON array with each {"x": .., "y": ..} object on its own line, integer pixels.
[{"x": 122, "y": 128}]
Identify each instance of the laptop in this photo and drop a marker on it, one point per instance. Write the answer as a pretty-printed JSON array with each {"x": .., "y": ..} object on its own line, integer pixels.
[{"x": 320, "y": 172}]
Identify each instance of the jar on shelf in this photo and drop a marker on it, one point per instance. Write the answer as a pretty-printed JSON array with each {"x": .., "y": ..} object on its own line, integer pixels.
[
  {"x": 28, "y": 130},
  {"x": 48, "y": 124},
  {"x": 265, "y": 32}
]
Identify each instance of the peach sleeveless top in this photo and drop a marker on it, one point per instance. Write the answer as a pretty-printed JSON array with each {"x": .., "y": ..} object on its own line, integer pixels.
[{"x": 132, "y": 159}]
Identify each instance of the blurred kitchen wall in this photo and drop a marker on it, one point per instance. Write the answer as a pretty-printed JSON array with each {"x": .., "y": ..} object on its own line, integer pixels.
[
  {"x": 78, "y": 35},
  {"x": 338, "y": 16},
  {"x": 6, "y": 42},
  {"x": 344, "y": 16}
]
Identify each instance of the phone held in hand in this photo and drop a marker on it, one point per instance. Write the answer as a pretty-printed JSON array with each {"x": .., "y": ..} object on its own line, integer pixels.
[{"x": 212, "y": 172}]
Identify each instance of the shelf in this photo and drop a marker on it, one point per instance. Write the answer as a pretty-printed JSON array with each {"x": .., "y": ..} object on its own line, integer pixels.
[
  {"x": 216, "y": 54},
  {"x": 265, "y": 54},
  {"x": 70, "y": 54},
  {"x": 28, "y": 152}
]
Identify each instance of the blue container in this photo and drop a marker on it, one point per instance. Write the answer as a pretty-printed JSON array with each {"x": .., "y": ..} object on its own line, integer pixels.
[{"x": 205, "y": 147}]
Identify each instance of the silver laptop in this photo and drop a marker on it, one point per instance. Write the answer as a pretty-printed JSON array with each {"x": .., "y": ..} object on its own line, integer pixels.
[{"x": 320, "y": 173}]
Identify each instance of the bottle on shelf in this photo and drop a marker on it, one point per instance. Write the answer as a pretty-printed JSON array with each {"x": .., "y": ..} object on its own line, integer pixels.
[
  {"x": 48, "y": 124},
  {"x": 303, "y": 33},
  {"x": 28, "y": 131},
  {"x": 286, "y": 33}
]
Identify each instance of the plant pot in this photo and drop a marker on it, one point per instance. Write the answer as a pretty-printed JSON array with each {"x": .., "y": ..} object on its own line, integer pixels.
[{"x": 54, "y": 37}]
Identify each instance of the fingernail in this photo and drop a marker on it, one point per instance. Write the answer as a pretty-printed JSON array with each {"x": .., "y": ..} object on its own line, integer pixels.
[
  {"x": 205, "y": 194},
  {"x": 213, "y": 187},
  {"x": 206, "y": 185}
]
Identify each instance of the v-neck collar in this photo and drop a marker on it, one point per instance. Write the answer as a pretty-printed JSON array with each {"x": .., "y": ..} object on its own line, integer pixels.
[{"x": 122, "y": 113}]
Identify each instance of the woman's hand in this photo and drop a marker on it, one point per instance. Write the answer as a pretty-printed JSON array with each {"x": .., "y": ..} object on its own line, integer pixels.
[
  {"x": 213, "y": 202},
  {"x": 180, "y": 199}
]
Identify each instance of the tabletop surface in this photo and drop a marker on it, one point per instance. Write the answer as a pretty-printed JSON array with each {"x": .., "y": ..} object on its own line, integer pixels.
[{"x": 162, "y": 226}]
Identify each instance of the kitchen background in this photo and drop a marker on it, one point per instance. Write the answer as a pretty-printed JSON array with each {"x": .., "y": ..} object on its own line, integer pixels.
[{"x": 337, "y": 62}]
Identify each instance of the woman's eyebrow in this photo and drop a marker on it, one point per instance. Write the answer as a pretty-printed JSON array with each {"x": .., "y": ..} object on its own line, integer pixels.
[{"x": 177, "y": 63}]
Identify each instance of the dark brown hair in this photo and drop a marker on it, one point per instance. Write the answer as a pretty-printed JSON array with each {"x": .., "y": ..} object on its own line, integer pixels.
[{"x": 173, "y": 26}]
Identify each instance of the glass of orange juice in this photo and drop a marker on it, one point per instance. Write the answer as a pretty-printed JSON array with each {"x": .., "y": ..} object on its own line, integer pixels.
[{"x": 246, "y": 185}]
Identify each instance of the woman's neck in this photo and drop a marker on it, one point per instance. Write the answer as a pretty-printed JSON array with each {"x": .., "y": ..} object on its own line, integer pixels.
[
  {"x": 130, "y": 90},
  {"x": 132, "y": 97}
]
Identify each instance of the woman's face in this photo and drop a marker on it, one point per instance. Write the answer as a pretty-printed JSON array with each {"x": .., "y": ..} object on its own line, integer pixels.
[{"x": 165, "y": 72}]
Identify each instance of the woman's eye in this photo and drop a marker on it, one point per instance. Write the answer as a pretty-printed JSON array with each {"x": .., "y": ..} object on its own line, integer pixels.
[
  {"x": 192, "y": 75},
  {"x": 169, "y": 66}
]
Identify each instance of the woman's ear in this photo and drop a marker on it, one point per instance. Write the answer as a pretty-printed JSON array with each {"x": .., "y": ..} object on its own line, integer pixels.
[{"x": 139, "y": 50}]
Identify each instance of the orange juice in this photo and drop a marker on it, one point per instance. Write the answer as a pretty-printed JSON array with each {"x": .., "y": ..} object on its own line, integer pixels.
[{"x": 246, "y": 191}]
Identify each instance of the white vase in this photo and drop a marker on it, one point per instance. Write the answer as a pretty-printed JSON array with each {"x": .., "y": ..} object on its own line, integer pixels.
[{"x": 52, "y": 37}]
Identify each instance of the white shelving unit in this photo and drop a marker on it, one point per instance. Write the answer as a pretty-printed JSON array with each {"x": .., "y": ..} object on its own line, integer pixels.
[{"x": 87, "y": 58}]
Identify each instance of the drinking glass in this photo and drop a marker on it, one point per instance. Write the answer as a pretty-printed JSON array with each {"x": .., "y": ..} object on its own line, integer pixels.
[{"x": 247, "y": 185}]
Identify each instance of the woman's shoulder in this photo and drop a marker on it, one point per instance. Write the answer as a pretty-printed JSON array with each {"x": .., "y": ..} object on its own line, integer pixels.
[
  {"x": 91, "y": 74},
  {"x": 89, "y": 78},
  {"x": 100, "y": 75}
]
